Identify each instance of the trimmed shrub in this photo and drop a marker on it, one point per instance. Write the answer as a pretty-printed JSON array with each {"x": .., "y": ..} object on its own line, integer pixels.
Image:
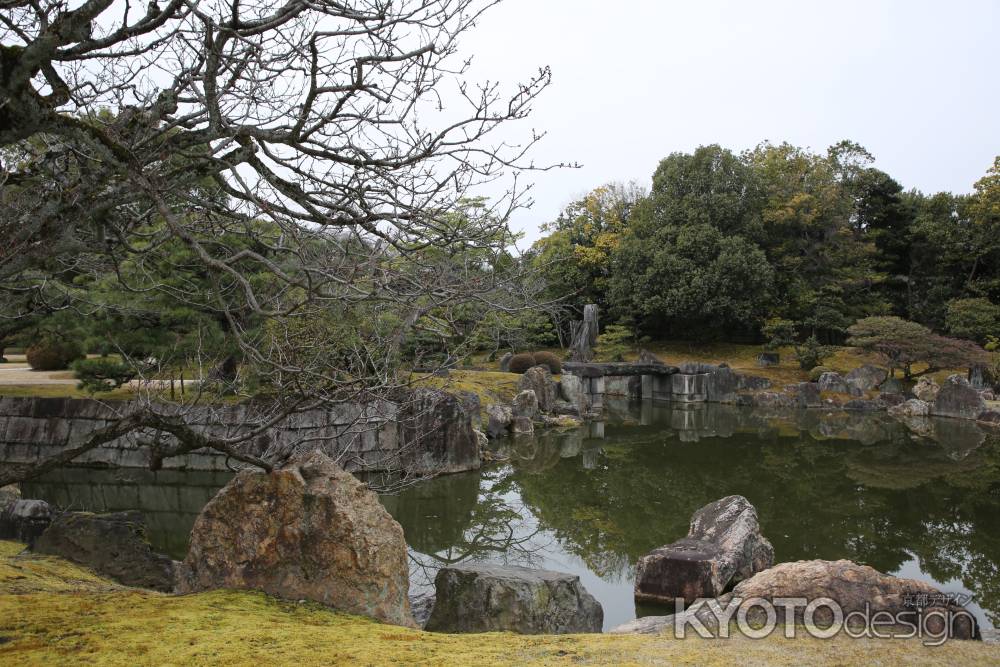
[
  {"x": 53, "y": 355},
  {"x": 521, "y": 362},
  {"x": 816, "y": 372},
  {"x": 550, "y": 360},
  {"x": 104, "y": 374}
]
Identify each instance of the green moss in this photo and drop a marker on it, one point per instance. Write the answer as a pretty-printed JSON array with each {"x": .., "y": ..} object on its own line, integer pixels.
[
  {"x": 490, "y": 386},
  {"x": 56, "y": 624}
]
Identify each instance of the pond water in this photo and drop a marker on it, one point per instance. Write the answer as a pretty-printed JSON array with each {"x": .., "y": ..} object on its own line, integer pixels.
[{"x": 920, "y": 500}]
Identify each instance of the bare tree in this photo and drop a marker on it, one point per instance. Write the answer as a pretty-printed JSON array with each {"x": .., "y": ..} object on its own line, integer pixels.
[{"x": 313, "y": 158}]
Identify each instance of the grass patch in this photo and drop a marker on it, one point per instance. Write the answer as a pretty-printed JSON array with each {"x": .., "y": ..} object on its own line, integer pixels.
[
  {"x": 61, "y": 391},
  {"x": 54, "y": 625}
]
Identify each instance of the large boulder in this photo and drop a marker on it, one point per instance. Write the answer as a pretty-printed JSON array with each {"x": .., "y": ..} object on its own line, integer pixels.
[
  {"x": 867, "y": 377},
  {"x": 911, "y": 408},
  {"x": 25, "y": 520},
  {"x": 113, "y": 544},
  {"x": 437, "y": 432},
  {"x": 834, "y": 382},
  {"x": 308, "y": 531},
  {"x": 854, "y": 587},
  {"x": 499, "y": 419},
  {"x": 807, "y": 395},
  {"x": 958, "y": 399},
  {"x": 573, "y": 390},
  {"x": 522, "y": 426},
  {"x": 539, "y": 380},
  {"x": 495, "y": 598},
  {"x": 724, "y": 545},
  {"x": 525, "y": 405},
  {"x": 926, "y": 390}
]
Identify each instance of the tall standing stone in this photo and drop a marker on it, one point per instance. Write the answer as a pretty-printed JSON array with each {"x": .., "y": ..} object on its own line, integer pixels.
[{"x": 584, "y": 335}]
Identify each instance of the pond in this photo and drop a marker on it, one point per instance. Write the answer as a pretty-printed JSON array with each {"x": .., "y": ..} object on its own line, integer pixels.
[{"x": 919, "y": 500}]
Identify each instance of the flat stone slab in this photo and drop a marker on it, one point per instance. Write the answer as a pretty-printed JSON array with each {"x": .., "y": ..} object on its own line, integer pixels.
[{"x": 594, "y": 369}]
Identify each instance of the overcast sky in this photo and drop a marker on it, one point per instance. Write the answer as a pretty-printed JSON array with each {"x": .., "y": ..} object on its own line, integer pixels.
[{"x": 916, "y": 83}]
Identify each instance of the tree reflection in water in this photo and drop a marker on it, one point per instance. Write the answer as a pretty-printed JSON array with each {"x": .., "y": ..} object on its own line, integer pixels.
[{"x": 865, "y": 487}]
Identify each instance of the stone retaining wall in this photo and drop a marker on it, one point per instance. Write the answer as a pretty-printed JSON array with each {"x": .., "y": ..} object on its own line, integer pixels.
[{"x": 430, "y": 432}]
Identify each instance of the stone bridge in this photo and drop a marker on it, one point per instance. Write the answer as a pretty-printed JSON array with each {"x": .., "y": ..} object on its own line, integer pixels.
[{"x": 687, "y": 383}]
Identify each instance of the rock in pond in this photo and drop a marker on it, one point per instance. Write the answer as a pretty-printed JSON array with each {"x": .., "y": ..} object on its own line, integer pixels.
[
  {"x": 499, "y": 419},
  {"x": 25, "y": 520},
  {"x": 911, "y": 408},
  {"x": 522, "y": 426},
  {"x": 572, "y": 389},
  {"x": 723, "y": 546},
  {"x": 958, "y": 399},
  {"x": 495, "y": 598},
  {"x": 526, "y": 404},
  {"x": 807, "y": 395},
  {"x": 113, "y": 544},
  {"x": 926, "y": 389},
  {"x": 539, "y": 380},
  {"x": 853, "y": 587},
  {"x": 308, "y": 531}
]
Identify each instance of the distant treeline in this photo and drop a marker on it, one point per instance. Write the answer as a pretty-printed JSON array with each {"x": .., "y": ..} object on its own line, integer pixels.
[{"x": 724, "y": 242}]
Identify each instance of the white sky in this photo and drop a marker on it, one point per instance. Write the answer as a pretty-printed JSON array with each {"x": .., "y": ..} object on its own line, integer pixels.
[{"x": 914, "y": 82}]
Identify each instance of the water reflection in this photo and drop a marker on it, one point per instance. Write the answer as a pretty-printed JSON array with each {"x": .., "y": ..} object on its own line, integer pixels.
[
  {"x": 920, "y": 498},
  {"x": 169, "y": 499}
]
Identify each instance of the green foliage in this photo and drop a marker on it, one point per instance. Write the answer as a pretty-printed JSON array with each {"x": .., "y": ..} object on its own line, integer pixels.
[
  {"x": 726, "y": 241},
  {"x": 550, "y": 360},
  {"x": 103, "y": 374},
  {"x": 903, "y": 344},
  {"x": 781, "y": 332},
  {"x": 575, "y": 259},
  {"x": 811, "y": 353},
  {"x": 53, "y": 354},
  {"x": 975, "y": 319},
  {"x": 615, "y": 342},
  {"x": 778, "y": 333},
  {"x": 521, "y": 362},
  {"x": 672, "y": 279}
]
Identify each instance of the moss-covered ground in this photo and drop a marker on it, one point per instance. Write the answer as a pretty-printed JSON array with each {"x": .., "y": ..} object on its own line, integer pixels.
[
  {"x": 491, "y": 386},
  {"x": 55, "y": 613}
]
